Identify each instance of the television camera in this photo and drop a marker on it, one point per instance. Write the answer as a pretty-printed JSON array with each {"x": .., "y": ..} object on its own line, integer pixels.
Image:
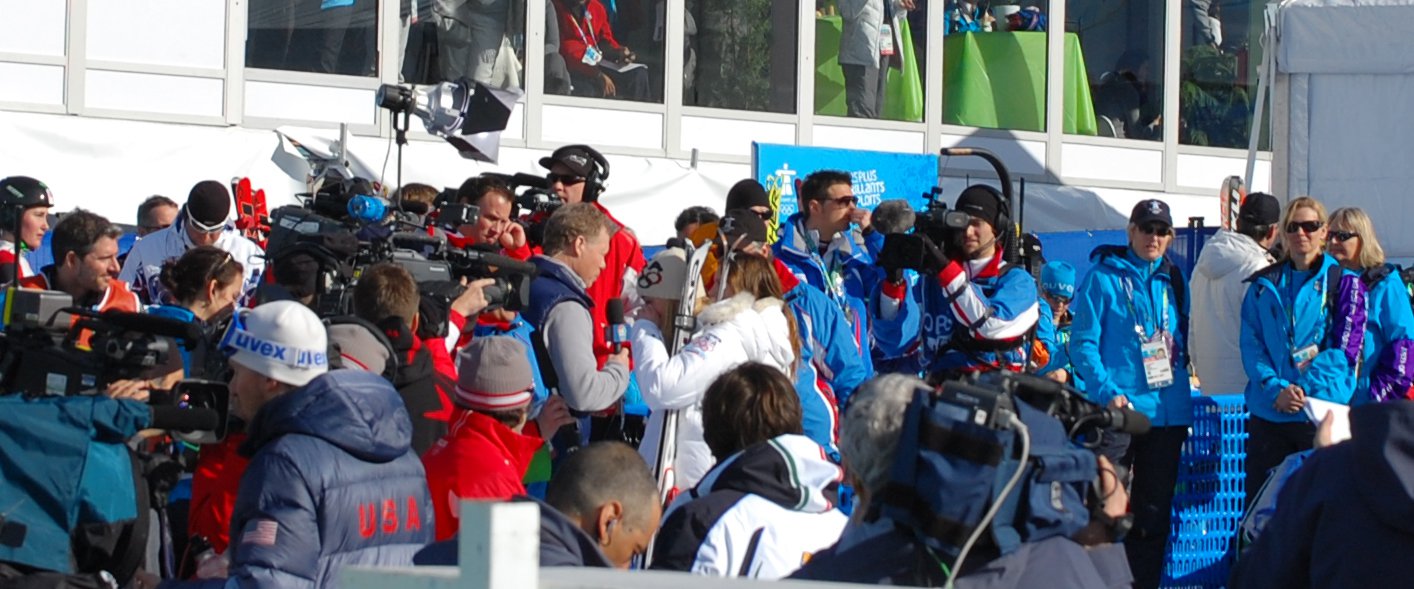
[{"x": 49, "y": 347}]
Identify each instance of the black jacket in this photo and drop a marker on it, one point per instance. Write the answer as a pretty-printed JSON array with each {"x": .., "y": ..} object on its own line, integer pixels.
[
  {"x": 1346, "y": 518},
  {"x": 562, "y": 544}
]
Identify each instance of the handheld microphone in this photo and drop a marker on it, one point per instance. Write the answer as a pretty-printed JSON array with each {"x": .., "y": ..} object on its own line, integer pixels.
[{"x": 616, "y": 332}]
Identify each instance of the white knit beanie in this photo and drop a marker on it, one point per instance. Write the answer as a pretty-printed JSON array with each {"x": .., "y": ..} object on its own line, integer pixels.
[{"x": 283, "y": 340}]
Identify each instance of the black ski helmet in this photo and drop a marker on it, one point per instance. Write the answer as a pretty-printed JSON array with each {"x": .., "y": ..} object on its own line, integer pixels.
[{"x": 18, "y": 193}]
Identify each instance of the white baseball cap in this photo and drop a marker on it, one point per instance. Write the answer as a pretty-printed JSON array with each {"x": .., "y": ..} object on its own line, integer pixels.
[{"x": 283, "y": 340}]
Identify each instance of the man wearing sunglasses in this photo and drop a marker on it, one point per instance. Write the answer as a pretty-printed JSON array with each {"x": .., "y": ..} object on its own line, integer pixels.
[
  {"x": 823, "y": 249},
  {"x": 1128, "y": 345},
  {"x": 1219, "y": 283},
  {"x": 202, "y": 221},
  {"x": 576, "y": 175}
]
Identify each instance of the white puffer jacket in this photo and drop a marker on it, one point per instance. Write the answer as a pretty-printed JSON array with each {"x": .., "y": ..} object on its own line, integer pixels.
[{"x": 730, "y": 333}]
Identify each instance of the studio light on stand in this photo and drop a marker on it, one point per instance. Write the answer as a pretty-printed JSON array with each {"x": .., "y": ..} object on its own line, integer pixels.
[{"x": 469, "y": 115}]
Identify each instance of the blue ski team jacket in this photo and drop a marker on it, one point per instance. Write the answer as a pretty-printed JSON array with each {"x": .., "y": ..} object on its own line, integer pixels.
[
  {"x": 848, "y": 287},
  {"x": 830, "y": 365},
  {"x": 1386, "y": 356},
  {"x": 1268, "y": 341},
  {"x": 1104, "y": 347}
]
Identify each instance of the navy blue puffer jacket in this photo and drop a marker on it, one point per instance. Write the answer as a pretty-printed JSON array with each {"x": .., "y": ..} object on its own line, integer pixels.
[{"x": 332, "y": 482}]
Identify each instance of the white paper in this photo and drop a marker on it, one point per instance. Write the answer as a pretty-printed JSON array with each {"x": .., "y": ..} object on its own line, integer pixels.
[
  {"x": 608, "y": 65},
  {"x": 1316, "y": 410}
]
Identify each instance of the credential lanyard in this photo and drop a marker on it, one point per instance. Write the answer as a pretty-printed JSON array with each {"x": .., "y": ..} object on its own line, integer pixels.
[
  {"x": 589, "y": 23},
  {"x": 1134, "y": 311},
  {"x": 1289, "y": 305}
]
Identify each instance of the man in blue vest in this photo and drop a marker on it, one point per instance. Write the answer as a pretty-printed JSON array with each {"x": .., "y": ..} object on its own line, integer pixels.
[{"x": 575, "y": 244}]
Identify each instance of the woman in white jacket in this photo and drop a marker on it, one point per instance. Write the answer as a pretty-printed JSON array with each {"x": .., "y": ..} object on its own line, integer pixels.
[{"x": 750, "y": 324}]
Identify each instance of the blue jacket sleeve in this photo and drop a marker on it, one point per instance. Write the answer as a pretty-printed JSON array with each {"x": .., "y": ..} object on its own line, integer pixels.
[
  {"x": 275, "y": 543},
  {"x": 842, "y": 354},
  {"x": 896, "y": 331},
  {"x": 1089, "y": 307},
  {"x": 1046, "y": 334},
  {"x": 1260, "y": 367},
  {"x": 1392, "y": 373}
]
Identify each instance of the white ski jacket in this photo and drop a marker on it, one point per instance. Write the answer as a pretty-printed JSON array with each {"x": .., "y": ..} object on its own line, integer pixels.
[
  {"x": 144, "y": 263},
  {"x": 1217, "y": 288},
  {"x": 730, "y": 333}
]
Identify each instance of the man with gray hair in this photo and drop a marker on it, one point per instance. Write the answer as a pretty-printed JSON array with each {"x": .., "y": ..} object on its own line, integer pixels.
[{"x": 875, "y": 549}]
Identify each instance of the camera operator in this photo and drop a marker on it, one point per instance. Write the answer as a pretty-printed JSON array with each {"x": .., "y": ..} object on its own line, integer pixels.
[
  {"x": 877, "y": 549},
  {"x": 978, "y": 313},
  {"x": 1128, "y": 342},
  {"x": 387, "y": 297},
  {"x": 576, "y": 244},
  {"x": 204, "y": 221},
  {"x": 821, "y": 249},
  {"x": 495, "y": 225},
  {"x": 576, "y": 175},
  {"x": 323, "y": 447},
  {"x": 26, "y": 201},
  {"x": 85, "y": 248}
]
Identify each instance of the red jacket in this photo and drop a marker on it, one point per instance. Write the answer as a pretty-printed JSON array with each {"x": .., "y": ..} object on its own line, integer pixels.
[
  {"x": 578, "y": 31},
  {"x": 480, "y": 458},
  {"x": 624, "y": 254},
  {"x": 213, "y": 490}
]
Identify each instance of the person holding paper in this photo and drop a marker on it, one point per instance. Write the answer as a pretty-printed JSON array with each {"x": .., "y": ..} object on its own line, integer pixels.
[
  {"x": 1386, "y": 368},
  {"x": 599, "y": 66},
  {"x": 1128, "y": 345},
  {"x": 1302, "y": 322}
]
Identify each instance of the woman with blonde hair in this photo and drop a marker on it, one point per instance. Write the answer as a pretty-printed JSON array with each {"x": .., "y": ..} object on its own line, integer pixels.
[
  {"x": 1386, "y": 368},
  {"x": 749, "y": 324},
  {"x": 1302, "y": 322}
]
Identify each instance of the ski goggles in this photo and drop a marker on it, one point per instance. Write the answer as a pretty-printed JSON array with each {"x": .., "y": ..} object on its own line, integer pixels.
[{"x": 202, "y": 227}]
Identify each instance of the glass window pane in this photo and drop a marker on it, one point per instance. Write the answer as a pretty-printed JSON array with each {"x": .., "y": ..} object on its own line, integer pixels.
[
  {"x": 740, "y": 54},
  {"x": 1222, "y": 55},
  {"x": 601, "y": 49},
  {"x": 994, "y": 65},
  {"x": 447, "y": 40},
  {"x": 1123, "y": 57},
  {"x": 867, "y": 56},
  {"x": 325, "y": 37}
]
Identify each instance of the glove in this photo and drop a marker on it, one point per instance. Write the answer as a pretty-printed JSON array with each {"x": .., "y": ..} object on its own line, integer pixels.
[{"x": 934, "y": 259}]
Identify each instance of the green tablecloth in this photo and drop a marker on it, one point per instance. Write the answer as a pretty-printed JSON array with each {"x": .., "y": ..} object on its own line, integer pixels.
[
  {"x": 904, "y": 97},
  {"x": 998, "y": 80}
]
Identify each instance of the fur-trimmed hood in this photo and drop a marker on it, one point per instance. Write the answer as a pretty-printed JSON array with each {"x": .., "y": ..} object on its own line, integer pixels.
[{"x": 766, "y": 332}]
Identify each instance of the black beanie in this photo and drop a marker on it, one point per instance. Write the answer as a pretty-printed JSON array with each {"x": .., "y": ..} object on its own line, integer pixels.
[
  {"x": 746, "y": 194},
  {"x": 209, "y": 203},
  {"x": 981, "y": 201}
]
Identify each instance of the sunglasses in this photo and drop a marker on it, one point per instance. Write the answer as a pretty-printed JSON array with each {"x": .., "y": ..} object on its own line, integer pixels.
[
  {"x": 1304, "y": 226},
  {"x": 202, "y": 227},
  {"x": 1343, "y": 235},
  {"x": 566, "y": 179},
  {"x": 1158, "y": 229},
  {"x": 845, "y": 200},
  {"x": 1060, "y": 300}
]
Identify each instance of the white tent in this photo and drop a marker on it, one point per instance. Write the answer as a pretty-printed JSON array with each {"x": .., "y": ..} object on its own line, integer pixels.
[{"x": 1341, "y": 130}]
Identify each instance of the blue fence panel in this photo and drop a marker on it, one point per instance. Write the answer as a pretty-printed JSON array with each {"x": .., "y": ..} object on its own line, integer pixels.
[{"x": 1211, "y": 494}]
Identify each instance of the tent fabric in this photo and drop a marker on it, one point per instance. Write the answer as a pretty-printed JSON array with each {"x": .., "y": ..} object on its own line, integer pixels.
[
  {"x": 1345, "y": 72},
  {"x": 1346, "y": 37}
]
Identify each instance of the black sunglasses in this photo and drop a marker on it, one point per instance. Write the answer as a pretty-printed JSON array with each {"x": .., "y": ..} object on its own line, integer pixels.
[
  {"x": 1343, "y": 235},
  {"x": 566, "y": 179},
  {"x": 1158, "y": 229},
  {"x": 1305, "y": 226}
]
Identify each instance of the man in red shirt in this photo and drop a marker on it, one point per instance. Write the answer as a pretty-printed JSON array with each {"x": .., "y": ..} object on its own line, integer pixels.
[
  {"x": 599, "y": 66},
  {"x": 485, "y": 454},
  {"x": 577, "y": 173}
]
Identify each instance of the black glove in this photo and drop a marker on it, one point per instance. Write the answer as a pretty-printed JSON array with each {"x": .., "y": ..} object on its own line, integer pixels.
[{"x": 934, "y": 259}]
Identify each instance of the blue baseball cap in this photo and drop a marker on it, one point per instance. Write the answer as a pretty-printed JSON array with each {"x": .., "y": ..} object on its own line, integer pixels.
[{"x": 1058, "y": 278}]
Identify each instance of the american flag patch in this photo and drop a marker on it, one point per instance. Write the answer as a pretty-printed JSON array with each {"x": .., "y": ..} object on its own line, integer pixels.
[{"x": 263, "y": 534}]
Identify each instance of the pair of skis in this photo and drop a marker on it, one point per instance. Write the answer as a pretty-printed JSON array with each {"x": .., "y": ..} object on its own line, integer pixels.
[{"x": 684, "y": 324}]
